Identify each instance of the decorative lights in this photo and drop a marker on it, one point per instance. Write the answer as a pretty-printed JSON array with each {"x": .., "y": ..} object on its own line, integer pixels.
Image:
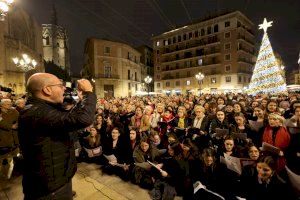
[
  {"x": 267, "y": 72},
  {"x": 4, "y": 8},
  {"x": 25, "y": 63}
]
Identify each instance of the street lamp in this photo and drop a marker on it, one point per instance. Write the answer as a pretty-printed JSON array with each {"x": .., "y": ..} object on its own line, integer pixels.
[
  {"x": 199, "y": 77},
  {"x": 4, "y": 8},
  {"x": 25, "y": 63},
  {"x": 148, "y": 80}
]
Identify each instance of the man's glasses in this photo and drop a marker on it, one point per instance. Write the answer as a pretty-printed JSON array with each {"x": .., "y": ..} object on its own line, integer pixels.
[{"x": 62, "y": 85}]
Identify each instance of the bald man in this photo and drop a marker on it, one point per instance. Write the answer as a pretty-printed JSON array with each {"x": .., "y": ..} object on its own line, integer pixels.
[{"x": 44, "y": 133}]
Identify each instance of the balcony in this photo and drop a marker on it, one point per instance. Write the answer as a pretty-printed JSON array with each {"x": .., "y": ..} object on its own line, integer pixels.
[
  {"x": 246, "y": 60},
  {"x": 108, "y": 76},
  {"x": 191, "y": 44},
  {"x": 248, "y": 40},
  {"x": 241, "y": 48}
]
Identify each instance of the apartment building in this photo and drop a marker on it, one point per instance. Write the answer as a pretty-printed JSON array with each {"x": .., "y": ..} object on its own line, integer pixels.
[
  {"x": 114, "y": 67},
  {"x": 221, "y": 47}
]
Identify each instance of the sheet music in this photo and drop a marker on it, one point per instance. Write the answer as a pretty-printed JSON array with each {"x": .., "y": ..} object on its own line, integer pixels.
[
  {"x": 254, "y": 125},
  {"x": 198, "y": 185},
  {"x": 111, "y": 158},
  {"x": 233, "y": 163},
  {"x": 270, "y": 148}
]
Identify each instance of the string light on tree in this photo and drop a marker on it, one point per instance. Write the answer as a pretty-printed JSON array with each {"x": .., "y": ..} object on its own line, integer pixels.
[{"x": 267, "y": 74}]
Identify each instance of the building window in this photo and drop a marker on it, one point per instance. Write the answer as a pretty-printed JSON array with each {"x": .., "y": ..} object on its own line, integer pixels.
[
  {"x": 174, "y": 40},
  {"x": 216, "y": 28},
  {"x": 177, "y": 75},
  {"x": 158, "y": 85},
  {"x": 129, "y": 86},
  {"x": 166, "y": 42},
  {"x": 158, "y": 76},
  {"x": 158, "y": 68},
  {"x": 239, "y": 24},
  {"x": 208, "y": 30},
  {"x": 249, "y": 79},
  {"x": 47, "y": 40},
  {"x": 244, "y": 79},
  {"x": 228, "y": 79},
  {"x": 188, "y": 82},
  {"x": 188, "y": 74},
  {"x": 177, "y": 83},
  {"x": 200, "y": 61},
  {"x": 227, "y": 68},
  {"x": 157, "y": 43},
  {"x": 240, "y": 79},
  {"x": 213, "y": 80},
  {"x": 107, "y": 71},
  {"x": 179, "y": 38},
  {"x": 128, "y": 74},
  {"x": 227, "y": 35},
  {"x": 227, "y": 57},
  {"x": 167, "y": 67},
  {"x": 184, "y": 37},
  {"x": 169, "y": 41},
  {"x": 227, "y": 23},
  {"x": 202, "y": 32},
  {"x": 196, "y": 33},
  {"x": 157, "y": 51},
  {"x": 107, "y": 50},
  {"x": 190, "y": 35},
  {"x": 227, "y": 46},
  {"x": 167, "y": 84}
]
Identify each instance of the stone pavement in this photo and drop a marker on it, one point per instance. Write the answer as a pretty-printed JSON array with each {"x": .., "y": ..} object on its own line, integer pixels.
[{"x": 89, "y": 183}]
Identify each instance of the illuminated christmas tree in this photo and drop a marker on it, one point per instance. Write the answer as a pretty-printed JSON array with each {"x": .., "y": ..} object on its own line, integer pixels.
[{"x": 267, "y": 74}]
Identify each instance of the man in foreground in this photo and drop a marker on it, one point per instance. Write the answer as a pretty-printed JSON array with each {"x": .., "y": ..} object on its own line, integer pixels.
[{"x": 44, "y": 134}]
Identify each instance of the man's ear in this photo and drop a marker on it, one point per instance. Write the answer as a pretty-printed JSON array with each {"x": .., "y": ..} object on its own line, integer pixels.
[{"x": 47, "y": 91}]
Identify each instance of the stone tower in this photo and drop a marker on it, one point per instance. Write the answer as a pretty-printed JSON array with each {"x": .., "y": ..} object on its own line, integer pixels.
[{"x": 55, "y": 43}]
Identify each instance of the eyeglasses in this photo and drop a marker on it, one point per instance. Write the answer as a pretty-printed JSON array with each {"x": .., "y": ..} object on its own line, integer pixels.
[{"x": 58, "y": 84}]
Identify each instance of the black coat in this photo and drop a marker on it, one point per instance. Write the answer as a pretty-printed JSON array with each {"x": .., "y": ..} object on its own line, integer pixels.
[
  {"x": 277, "y": 189},
  {"x": 44, "y": 133}
]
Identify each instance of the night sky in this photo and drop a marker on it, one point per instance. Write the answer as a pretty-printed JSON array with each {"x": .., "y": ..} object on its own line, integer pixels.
[{"x": 134, "y": 21}]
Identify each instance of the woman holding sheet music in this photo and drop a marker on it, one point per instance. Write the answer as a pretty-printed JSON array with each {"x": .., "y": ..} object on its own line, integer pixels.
[{"x": 117, "y": 146}]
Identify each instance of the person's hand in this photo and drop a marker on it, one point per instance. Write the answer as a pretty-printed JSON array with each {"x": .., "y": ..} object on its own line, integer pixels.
[
  {"x": 281, "y": 153},
  {"x": 84, "y": 85},
  {"x": 159, "y": 166},
  {"x": 14, "y": 126},
  {"x": 113, "y": 163},
  {"x": 164, "y": 173},
  {"x": 79, "y": 94}
]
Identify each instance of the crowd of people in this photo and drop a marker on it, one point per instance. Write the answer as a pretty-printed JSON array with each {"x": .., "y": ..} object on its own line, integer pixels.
[{"x": 172, "y": 144}]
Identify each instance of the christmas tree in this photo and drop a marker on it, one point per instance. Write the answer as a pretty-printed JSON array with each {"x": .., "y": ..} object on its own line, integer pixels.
[{"x": 267, "y": 76}]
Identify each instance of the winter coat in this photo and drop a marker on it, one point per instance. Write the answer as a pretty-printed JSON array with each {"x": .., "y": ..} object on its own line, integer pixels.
[{"x": 48, "y": 151}]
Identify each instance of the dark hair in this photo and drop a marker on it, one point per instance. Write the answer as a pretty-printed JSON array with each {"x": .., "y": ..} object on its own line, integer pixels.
[
  {"x": 269, "y": 160},
  {"x": 176, "y": 148}
]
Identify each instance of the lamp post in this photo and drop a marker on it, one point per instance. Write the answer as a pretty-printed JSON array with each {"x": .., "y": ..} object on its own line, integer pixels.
[
  {"x": 25, "y": 63},
  {"x": 4, "y": 8},
  {"x": 148, "y": 80},
  {"x": 199, "y": 77}
]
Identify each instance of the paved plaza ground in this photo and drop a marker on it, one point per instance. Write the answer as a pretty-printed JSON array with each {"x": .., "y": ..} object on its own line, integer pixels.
[{"x": 89, "y": 183}]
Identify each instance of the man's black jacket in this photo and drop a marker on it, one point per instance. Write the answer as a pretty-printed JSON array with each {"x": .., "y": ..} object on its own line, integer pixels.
[{"x": 44, "y": 133}]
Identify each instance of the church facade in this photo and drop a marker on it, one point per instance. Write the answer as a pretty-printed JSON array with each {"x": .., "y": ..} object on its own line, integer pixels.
[{"x": 19, "y": 34}]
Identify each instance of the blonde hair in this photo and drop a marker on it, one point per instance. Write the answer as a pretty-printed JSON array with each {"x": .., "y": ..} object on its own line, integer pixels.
[{"x": 277, "y": 116}]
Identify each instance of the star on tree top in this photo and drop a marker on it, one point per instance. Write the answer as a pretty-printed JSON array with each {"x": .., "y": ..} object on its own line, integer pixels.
[{"x": 265, "y": 25}]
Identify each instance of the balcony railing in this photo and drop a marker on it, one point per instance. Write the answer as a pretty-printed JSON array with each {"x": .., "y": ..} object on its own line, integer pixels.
[
  {"x": 111, "y": 76},
  {"x": 191, "y": 44},
  {"x": 242, "y": 37},
  {"x": 245, "y": 60}
]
